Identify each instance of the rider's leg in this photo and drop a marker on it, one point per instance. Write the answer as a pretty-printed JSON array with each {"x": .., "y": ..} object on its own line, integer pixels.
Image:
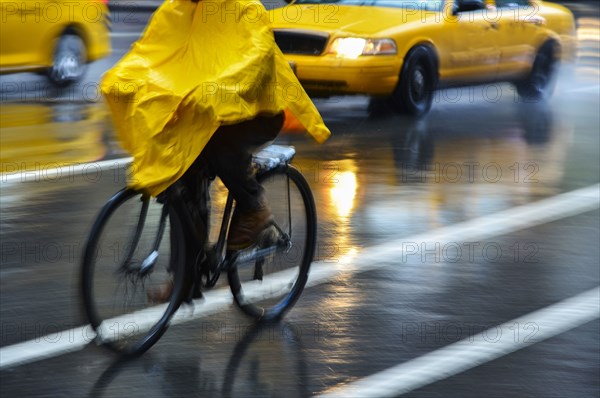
[
  {"x": 190, "y": 196},
  {"x": 229, "y": 153}
]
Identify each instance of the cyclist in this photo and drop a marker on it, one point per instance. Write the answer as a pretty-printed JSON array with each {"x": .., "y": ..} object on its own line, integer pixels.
[{"x": 206, "y": 77}]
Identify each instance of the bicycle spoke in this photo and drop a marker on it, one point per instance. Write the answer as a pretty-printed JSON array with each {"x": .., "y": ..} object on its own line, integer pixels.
[
  {"x": 289, "y": 208},
  {"x": 116, "y": 300}
]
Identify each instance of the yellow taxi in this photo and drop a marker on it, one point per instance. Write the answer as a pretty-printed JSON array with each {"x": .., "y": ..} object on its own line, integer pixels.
[
  {"x": 58, "y": 37},
  {"x": 403, "y": 50}
]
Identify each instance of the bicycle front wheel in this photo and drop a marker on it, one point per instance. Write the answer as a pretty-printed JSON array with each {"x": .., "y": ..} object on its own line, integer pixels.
[
  {"x": 267, "y": 287},
  {"x": 133, "y": 250}
]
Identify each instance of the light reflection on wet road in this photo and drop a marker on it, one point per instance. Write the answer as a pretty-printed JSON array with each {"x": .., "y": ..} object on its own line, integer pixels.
[{"x": 378, "y": 179}]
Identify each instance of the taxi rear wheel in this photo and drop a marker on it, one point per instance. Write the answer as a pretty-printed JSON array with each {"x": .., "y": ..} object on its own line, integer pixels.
[
  {"x": 414, "y": 93},
  {"x": 69, "y": 60},
  {"x": 540, "y": 82}
]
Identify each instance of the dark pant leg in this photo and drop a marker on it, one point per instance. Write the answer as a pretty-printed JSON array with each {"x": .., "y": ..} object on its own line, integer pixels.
[{"x": 229, "y": 154}]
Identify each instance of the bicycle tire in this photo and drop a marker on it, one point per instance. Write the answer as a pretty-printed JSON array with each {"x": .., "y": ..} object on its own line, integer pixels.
[
  {"x": 256, "y": 297},
  {"x": 139, "y": 325}
]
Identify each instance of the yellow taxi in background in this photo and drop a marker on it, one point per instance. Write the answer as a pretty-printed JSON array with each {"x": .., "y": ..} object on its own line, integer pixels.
[
  {"x": 403, "y": 50},
  {"x": 55, "y": 36}
]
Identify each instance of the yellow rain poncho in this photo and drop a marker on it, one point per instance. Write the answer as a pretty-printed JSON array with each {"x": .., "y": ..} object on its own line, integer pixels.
[{"x": 197, "y": 66}]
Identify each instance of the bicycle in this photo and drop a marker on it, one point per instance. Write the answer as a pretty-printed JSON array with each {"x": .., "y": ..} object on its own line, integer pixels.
[{"x": 123, "y": 264}]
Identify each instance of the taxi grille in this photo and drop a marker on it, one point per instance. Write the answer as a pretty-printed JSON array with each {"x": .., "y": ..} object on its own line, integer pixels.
[{"x": 300, "y": 43}]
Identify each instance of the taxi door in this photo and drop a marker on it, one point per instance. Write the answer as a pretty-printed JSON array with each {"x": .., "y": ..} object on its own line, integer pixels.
[
  {"x": 519, "y": 27},
  {"x": 474, "y": 53},
  {"x": 22, "y": 27}
]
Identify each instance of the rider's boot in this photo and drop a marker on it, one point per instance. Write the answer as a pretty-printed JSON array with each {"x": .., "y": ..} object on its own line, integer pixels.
[
  {"x": 246, "y": 227},
  {"x": 161, "y": 294}
]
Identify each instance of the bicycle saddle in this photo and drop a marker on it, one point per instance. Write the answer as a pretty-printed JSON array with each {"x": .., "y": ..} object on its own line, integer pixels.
[{"x": 272, "y": 156}]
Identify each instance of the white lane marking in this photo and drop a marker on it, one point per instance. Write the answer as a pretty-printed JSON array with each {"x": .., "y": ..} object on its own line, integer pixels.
[
  {"x": 379, "y": 256},
  {"x": 475, "y": 350},
  {"x": 595, "y": 89},
  {"x": 398, "y": 251},
  {"x": 49, "y": 346},
  {"x": 71, "y": 340},
  {"x": 66, "y": 171}
]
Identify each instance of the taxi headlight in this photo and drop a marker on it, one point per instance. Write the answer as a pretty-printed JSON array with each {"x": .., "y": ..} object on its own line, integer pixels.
[{"x": 353, "y": 47}]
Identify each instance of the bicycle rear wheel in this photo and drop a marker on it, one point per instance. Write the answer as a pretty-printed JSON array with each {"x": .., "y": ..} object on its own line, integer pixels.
[
  {"x": 133, "y": 248},
  {"x": 266, "y": 288}
]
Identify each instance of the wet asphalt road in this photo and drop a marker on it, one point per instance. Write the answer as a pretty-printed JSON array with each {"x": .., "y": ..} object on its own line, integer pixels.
[{"x": 379, "y": 180}]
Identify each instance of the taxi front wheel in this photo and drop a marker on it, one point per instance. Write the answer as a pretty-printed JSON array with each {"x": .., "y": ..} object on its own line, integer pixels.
[
  {"x": 69, "y": 60},
  {"x": 414, "y": 93}
]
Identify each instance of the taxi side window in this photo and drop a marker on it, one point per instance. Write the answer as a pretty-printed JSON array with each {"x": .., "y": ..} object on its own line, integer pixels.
[
  {"x": 468, "y": 5},
  {"x": 512, "y": 3}
]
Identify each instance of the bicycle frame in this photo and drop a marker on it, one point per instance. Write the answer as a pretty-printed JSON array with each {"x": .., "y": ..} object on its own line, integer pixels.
[
  {"x": 215, "y": 259},
  {"x": 219, "y": 260},
  {"x": 189, "y": 263}
]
